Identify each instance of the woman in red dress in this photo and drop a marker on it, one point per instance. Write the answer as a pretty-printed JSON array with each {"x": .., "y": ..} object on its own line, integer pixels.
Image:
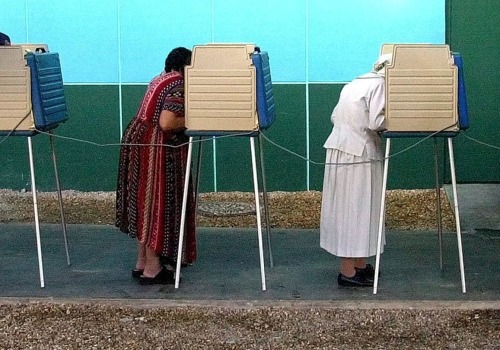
[{"x": 151, "y": 174}]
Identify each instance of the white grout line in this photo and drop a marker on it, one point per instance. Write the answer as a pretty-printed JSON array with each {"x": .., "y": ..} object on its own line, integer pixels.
[
  {"x": 26, "y": 20},
  {"x": 120, "y": 100},
  {"x": 214, "y": 146},
  {"x": 308, "y": 179}
]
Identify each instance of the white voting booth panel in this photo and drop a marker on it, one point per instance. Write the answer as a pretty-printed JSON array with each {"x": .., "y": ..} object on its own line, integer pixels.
[
  {"x": 224, "y": 86},
  {"x": 421, "y": 88},
  {"x": 220, "y": 89},
  {"x": 15, "y": 87},
  {"x": 422, "y": 100},
  {"x": 15, "y": 90}
]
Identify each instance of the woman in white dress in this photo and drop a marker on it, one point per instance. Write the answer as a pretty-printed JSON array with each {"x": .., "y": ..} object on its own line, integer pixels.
[{"x": 352, "y": 186}]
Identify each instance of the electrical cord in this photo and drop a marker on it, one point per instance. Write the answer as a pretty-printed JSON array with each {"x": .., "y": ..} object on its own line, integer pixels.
[
  {"x": 363, "y": 162},
  {"x": 245, "y": 134},
  {"x": 481, "y": 142},
  {"x": 149, "y": 144}
]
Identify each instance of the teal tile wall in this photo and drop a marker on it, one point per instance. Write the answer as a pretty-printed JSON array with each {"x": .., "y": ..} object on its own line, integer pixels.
[
  {"x": 322, "y": 100},
  {"x": 93, "y": 112},
  {"x": 88, "y": 153},
  {"x": 90, "y": 163},
  {"x": 473, "y": 30},
  {"x": 283, "y": 171}
]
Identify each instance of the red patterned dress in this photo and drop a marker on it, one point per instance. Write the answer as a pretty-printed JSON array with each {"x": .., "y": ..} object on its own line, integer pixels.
[{"x": 151, "y": 174}]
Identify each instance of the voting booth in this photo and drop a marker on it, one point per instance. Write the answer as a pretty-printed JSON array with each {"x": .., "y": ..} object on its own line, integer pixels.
[
  {"x": 228, "y": 91},
  {"x": 425, "y": 89},
  {"x": 32, "y": 101},
  {"x": 31, "y": 90},
  {"x": 228, "y": 88},
  {"x": 425, "y": 98}
]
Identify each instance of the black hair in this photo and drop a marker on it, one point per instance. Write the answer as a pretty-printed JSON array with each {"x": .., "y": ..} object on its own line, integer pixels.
[
  {"x": 177, "y": 59},
  {"x": 3, "y": 38}
]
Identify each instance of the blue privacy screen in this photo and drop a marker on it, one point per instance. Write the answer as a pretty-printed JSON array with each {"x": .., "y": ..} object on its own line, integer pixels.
[
  {"x": 265, "y": 99},
  {"x": 47, "y": 90}
]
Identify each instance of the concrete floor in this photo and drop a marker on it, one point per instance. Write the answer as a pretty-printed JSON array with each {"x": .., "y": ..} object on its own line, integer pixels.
[{"x": 228, "y": 269}]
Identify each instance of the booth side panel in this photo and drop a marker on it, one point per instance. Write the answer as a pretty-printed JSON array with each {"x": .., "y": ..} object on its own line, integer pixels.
[
  {"x": 15, "y": 91},
  {"x": 15, "y": 100},
  {"x": 220, "y": 100},
  {"x": 421, "y": 102},
  {"x": 421, "y": 89},
  {"x": 220, "y": 89}
]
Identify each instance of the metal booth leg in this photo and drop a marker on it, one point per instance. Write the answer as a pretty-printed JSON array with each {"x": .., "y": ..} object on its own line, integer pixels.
[
  {"x": 183, "y": 213},
  {"x": 266, "y": 202},
  {"x": 59, "y": 196},
  {"x": 457, "y": 217},
  {"x": 198, "y": 172},
  {"x": 438, "y": 205},
  {"x": 257, "y": 209},
  {"x": 382, "y": 215},
  {"x": 35, "y": 211}
]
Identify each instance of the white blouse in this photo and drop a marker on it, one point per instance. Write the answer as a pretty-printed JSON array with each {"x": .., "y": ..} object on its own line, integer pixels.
[{"x": 358, "y": 116}]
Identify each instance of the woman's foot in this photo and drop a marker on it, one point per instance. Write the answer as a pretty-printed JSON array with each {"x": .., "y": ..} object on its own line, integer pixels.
[
  {"x": 358, "y": 280},
  {"x": 169, "y": 262},
  {"x": 136, "y": 273},
  {"x": 368, "y": 272},
  {"x": 163, "y": 277}
]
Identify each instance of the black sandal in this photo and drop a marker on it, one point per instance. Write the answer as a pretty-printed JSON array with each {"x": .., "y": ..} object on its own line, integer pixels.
[
  {"x": 163, "y": 277},
  {"x": 368, "y": 272},
  {"x": 136, "y": 273}
]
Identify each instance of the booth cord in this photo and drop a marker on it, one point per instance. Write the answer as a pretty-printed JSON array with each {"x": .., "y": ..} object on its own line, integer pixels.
[
  {"x": 363, "y": 162},
  {"x": 247, "y": 134},
  {"x": 205, "y": 140},
  {"x": 243, "y": 134},
  {"x": 482, "y": 143}
]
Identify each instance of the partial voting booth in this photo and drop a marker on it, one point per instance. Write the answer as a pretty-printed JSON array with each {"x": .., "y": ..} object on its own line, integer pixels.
[
  {"x": 425, "y": 98},
  {"x": 32, "y": 101},
  {"x": 228, "y": 91}
]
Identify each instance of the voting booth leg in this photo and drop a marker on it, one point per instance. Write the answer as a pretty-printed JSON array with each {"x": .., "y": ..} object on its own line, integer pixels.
[
  {"x": 59, "y": 196},
  {"x": 382, "y": 215},
  {"x": 266, "y": 202},
  {"x": 183, "y": 213},
  {"x": 35, "y": 211},
  {"x": 438, "y": 205},
  {"x": 198, "y": 172},
  {"x": 257, "y": 209},
  {"x": 457, "y": 217}
]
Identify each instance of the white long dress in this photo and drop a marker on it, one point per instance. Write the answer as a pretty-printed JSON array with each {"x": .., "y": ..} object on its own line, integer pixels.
[{"x": 350, "y": 207}]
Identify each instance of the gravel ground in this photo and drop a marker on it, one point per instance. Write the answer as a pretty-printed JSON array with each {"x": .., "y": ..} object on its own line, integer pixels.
[
  {"x": 406, "y": 209},
  {"x": 60, "y": 326},
  {"x": 101, "y": 325}
]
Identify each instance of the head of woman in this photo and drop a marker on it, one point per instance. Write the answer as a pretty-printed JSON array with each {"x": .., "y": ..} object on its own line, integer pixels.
[
  {"x": 177, "y": 59},
  {"x": 4, "y": 39},
  {"x": 382, "y": 62}
]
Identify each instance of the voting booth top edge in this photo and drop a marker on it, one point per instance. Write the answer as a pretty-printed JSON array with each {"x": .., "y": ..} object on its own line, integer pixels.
[
  {"x": 228, "y": 89},
  {"x": 31, "y": 90}
]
